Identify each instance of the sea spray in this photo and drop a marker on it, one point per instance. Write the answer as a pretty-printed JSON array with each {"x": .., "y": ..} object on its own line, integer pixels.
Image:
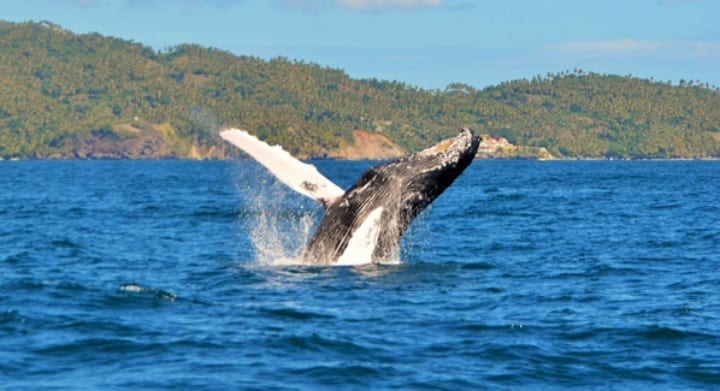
[
  {"x": 278, "y": 237},
  {"x": 282, "y": 222}
]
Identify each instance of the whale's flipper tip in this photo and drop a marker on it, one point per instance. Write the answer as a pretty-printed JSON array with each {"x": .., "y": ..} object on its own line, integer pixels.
[{"x": 301, "y": 177}]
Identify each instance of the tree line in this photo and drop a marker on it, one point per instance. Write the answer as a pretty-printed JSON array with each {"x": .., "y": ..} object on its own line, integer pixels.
[{"x": 64, "y": 93}]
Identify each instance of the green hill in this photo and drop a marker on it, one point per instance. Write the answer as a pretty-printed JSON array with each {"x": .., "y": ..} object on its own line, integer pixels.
[{"x": 64, "y": 95}]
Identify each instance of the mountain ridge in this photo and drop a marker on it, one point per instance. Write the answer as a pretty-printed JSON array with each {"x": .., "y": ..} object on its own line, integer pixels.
[{"x": 80, "y": 96}]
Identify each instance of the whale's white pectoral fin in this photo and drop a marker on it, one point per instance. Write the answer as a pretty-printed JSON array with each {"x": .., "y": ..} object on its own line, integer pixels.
[{"x": 301, "y": 177}]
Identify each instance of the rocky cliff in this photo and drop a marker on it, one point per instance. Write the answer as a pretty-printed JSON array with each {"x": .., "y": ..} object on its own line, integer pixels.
[{"x": 367, "y": 145}]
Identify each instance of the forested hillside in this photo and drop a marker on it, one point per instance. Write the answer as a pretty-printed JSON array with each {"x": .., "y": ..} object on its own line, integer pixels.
[{"x": 65, "y": 95}]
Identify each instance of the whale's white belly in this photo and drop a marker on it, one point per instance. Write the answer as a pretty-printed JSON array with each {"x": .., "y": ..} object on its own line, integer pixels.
[{"x": 361, "y": 246}]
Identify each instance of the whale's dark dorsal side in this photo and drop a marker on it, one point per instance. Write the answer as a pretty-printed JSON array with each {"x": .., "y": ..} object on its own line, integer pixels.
[{"x": 365, "y": 223}]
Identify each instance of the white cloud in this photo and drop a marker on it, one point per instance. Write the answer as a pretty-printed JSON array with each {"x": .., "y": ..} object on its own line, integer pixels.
[
  {"x": 361, "y": 5},
  {"x": 389, "y": 4}
]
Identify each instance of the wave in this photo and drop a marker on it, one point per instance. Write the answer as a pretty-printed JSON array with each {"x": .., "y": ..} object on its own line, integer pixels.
[
  {"x": 147, "y": 291},
  {"x": 293, "y": 314}
]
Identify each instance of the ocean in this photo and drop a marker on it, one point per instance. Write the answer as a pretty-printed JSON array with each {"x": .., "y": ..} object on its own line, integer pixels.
[{"x": 522, "y": 275}]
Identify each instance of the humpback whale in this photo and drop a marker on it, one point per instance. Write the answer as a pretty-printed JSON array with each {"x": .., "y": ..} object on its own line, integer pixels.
[{"x": 365, "y": 223}]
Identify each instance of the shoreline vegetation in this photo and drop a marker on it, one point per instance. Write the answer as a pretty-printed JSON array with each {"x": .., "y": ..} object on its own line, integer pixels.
[{"x": 88, "y": 96}]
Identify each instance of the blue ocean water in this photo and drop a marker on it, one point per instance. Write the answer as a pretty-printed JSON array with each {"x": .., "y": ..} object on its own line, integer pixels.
[{"x": 522, "y": 275}]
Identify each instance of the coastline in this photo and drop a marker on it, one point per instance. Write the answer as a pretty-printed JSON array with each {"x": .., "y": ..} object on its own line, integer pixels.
[{"x": 215, "y": 159}]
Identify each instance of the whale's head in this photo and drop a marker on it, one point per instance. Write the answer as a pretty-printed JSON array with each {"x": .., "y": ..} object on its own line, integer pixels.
[
  {"x": 406, "y": 186},
  {"x": 424, "y": 175}
]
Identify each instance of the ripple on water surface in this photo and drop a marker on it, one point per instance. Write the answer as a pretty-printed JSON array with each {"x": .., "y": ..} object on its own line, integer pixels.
[{"x": 525, "y": 275}]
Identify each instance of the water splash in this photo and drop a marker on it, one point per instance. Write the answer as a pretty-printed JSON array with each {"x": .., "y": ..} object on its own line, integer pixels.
[
  {"x": 281, "y": 224},
  {"x": 279, "y": 238}
]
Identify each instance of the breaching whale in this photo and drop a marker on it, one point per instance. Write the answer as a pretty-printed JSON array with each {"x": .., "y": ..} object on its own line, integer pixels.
[{"x": 365, "y": 223}]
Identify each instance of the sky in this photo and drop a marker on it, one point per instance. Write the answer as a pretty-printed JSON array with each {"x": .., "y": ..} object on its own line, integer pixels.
[{"x": 424, "y": 43}]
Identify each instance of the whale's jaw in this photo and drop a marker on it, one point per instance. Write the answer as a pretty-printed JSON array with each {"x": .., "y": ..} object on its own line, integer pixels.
[{"x": 377, "y": 210}]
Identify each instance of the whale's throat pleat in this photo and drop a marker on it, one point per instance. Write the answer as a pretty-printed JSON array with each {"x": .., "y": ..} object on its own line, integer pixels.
[{"x": 363, "y": 241}]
